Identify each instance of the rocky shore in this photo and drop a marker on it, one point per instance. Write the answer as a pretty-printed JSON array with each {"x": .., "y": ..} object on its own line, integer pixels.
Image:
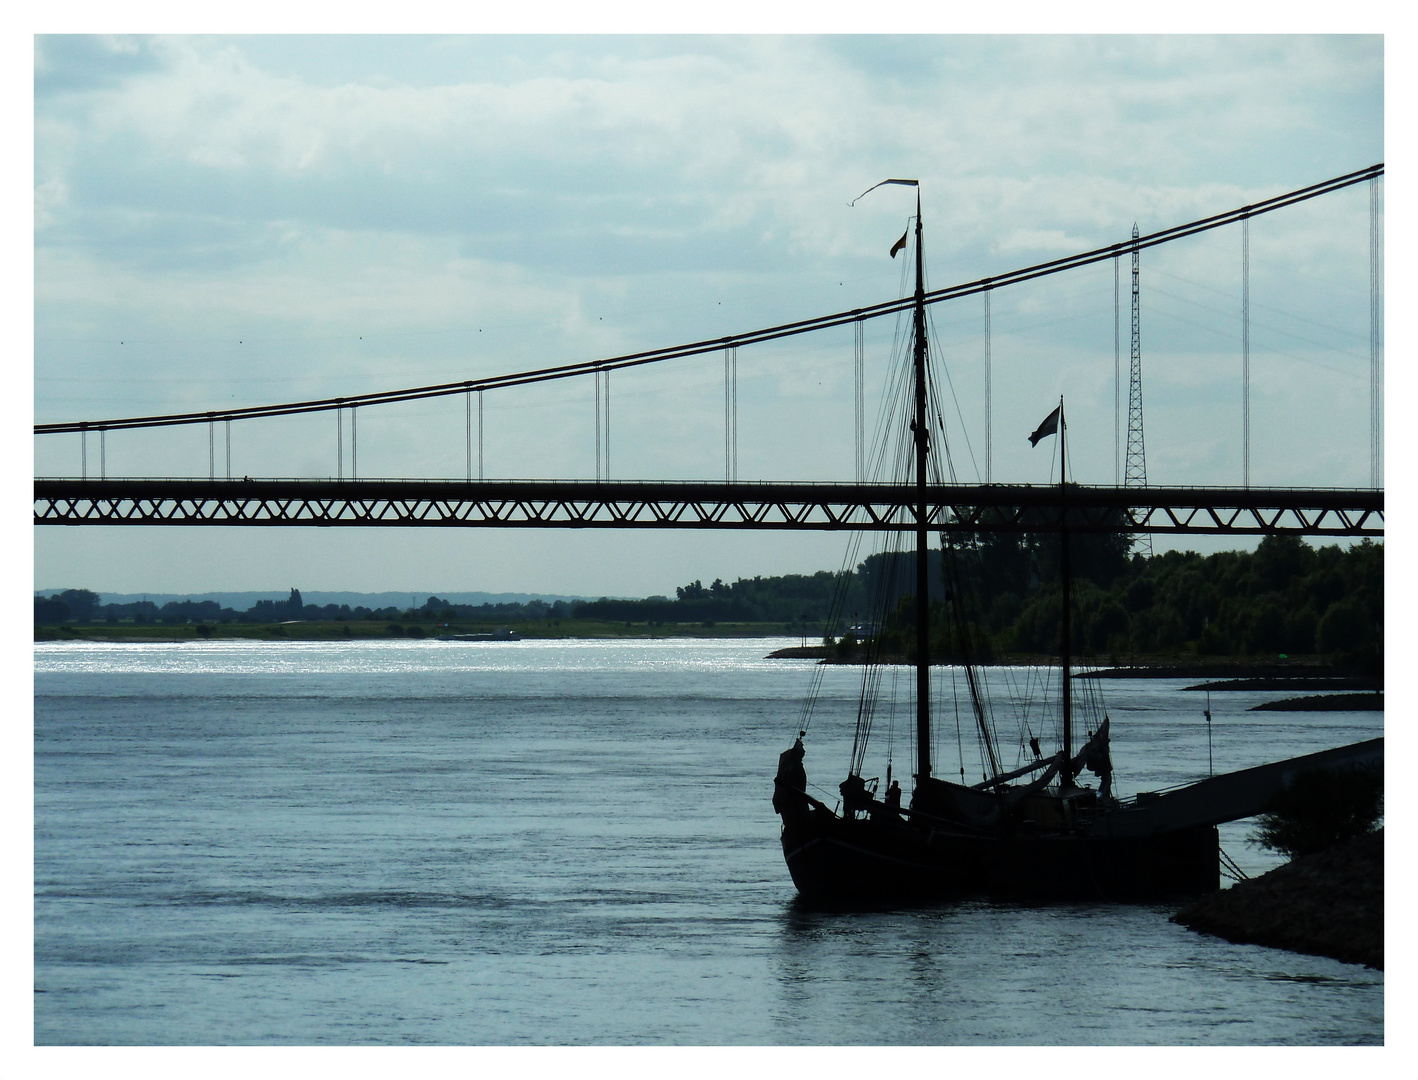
[
  {"x": 1234, "y": 672},
  {"x": 1325, "y": 703},
  {"x": 1328, "y": 904}
]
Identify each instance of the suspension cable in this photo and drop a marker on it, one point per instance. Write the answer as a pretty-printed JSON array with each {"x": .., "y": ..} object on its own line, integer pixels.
[{"x": 698, "y": 348}]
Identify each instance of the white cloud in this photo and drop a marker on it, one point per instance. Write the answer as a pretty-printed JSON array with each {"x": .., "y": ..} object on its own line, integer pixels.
[
  {"x": 375, "y": 212},
  {"x": 49, "y": 197}
]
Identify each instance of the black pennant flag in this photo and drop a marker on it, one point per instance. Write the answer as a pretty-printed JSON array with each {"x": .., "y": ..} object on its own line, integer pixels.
[
  {"x": 900, "y": 243},
  {"x": 1050, "y": 426}
]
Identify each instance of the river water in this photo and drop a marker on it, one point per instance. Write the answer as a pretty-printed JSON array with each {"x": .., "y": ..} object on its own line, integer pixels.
[{"x": 573, "y": 843}]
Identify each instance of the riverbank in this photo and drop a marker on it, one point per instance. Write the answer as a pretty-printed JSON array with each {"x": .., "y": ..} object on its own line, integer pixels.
[
  {"x": 355, "y": 629},
  {"x": 1371, "y": 702},
  {"x": 1327, "y": 904},
  {"x": 1243, "y": 672},
  {"x": 1239, "y": 672},
  {"x": 1288, "y": 682}
]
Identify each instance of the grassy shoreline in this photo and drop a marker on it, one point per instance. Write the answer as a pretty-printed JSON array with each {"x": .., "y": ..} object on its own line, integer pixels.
[{"x": 383, "y": 630}]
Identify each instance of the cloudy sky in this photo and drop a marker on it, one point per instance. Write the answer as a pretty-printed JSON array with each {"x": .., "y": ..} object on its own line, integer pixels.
[{"x": 228, "y": 221}]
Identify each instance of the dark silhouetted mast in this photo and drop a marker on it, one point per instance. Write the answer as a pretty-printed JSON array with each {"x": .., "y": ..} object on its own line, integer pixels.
[
  {"x": 923, "y": 592},
  {"x": 922, "y": 437}
]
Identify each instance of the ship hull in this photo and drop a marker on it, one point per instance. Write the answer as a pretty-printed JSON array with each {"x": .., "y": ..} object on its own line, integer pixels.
[{"x": 855, "y": 862}]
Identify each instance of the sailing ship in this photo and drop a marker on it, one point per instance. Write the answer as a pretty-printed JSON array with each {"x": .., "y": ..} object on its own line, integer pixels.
[{"x": 1036, "y": 831}]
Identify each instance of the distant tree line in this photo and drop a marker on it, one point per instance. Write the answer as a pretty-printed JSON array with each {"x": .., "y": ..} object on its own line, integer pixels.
[
  {"x": 85, "y": 607},
  {"x": 1285, "y": 597},
  {"x": 825, "y": 601},
  {"x": 789, "y": 598}
]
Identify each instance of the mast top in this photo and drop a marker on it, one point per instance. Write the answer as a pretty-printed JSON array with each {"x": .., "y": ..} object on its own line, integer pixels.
[{"x": 908, "y": 183}]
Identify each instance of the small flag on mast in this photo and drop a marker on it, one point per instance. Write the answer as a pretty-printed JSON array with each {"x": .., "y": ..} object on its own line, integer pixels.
[
  {"x": 900, "y": 243},
  {"x": 1050, "y": 426}
]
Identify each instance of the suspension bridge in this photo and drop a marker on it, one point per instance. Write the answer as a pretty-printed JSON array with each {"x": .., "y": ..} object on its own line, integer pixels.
[{"x": 346, "y": 499}]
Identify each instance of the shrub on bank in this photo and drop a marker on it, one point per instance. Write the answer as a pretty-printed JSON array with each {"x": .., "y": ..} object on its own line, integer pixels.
[{"x": 1322, "y": 809}]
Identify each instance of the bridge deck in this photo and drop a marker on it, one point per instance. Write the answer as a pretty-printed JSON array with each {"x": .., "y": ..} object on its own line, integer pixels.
[
  {"x": 1236, "y": 795},
  {"x": 700, "y": 505}
]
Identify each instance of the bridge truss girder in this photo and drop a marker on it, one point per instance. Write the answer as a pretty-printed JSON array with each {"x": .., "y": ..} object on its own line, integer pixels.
[{"x": 573, "y": 504}]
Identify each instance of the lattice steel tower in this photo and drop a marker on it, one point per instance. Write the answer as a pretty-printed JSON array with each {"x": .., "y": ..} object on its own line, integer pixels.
[{"x": 1135, "y": 462}]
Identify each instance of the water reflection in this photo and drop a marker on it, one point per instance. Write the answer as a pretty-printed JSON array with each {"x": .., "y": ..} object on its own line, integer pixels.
[
  {"x": 580, "y": 850},
  {"x": 980, "y": 973}
]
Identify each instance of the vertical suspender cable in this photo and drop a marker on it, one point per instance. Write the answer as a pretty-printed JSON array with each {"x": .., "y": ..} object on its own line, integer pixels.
[
  {"x": 608, "y": 423},
  {"x": 83, "y": 453},
  {"x": 211, "y": 449},
  {"x": 228, "y": 447},
  {"x": 1246, "y": 352},
  {"x": 103, "y": 455},
  {"x": 859, "y": 398},
  {"x": 734, "y": 413},
  {"x": 468, "y": 430},
  {"x": 480, "y": 434},
  {"x": 861, "y": 394},
  {"x": 354, "y": 445},
  {"x": 339, "y": 444},
  {"x": 728, "y": 420},
  {"x": 596, "y": 375},
  {"x": 1376, "y": 288},
  {"x": 731, "y": 411},
  {"x": 989, "y": 398}
]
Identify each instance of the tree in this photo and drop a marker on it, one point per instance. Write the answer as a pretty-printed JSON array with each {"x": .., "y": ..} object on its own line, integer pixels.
[
  {"x": 83, "y": 604},
  {"x": 1345, "y": 628},
  {"x": 1280, "y": 559},
  {"x": 50, "y": 612},
  {"x": 1321, "y": 809}
]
